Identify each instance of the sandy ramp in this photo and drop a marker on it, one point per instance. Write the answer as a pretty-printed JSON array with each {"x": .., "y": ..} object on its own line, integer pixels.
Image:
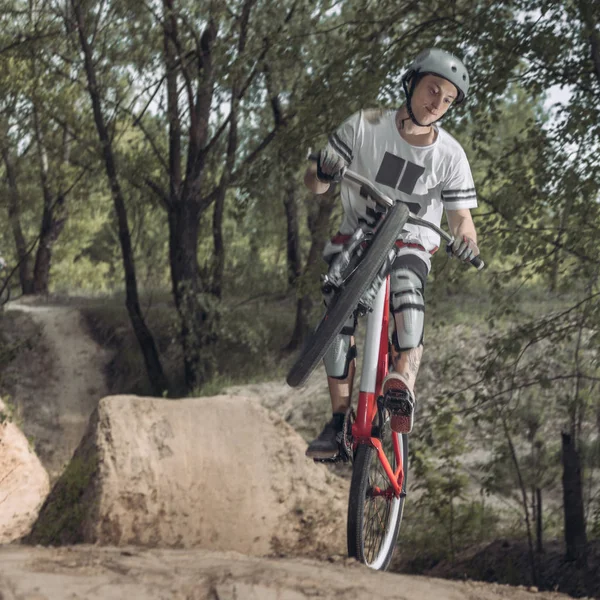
[
  {"x": 23, "y": 481},
  {"x": 220, "y": 473}
]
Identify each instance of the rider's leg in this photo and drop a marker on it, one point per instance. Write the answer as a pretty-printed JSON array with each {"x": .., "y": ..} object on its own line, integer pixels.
[
  {"x": 406, "y": 364},
  {"x": 406, "y": 291},
  {"x": 340, "y": 366},
  {"x": 340, "y": 388}
]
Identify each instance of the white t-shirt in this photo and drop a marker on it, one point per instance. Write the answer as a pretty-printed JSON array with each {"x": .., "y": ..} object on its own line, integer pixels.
[{"x": 427, "y": 178}]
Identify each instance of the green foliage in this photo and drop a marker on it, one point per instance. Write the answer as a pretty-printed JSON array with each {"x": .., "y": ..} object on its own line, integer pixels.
[
  {"x": 436, "y": 464},
  {"x": 9, "y": 412},
  {"x": 424, "y": 538},
  {"x": 595, "y": 519},
  {"x": 64, "y": 512},
  {"x": 249, "y": 336}
]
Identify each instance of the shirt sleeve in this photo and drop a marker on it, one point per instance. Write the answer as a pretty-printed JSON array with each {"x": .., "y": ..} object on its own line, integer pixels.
[
  {"x": 343, "y": 139},
  {"x": 459, "y": 190}
]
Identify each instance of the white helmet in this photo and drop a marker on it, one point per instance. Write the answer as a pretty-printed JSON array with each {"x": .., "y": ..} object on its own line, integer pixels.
[{"x": 441, "y": 63}]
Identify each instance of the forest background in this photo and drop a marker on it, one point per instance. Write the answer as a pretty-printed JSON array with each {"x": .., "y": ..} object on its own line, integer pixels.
[{"x": 153, "y": 152}]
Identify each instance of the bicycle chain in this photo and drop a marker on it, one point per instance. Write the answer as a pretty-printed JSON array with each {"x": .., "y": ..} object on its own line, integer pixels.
[{"x": 349, "y": 419}]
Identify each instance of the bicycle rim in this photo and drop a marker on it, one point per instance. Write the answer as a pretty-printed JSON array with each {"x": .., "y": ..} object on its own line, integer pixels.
[
  {"x": 374, "y": 518},
  {"x": 337, "y": 314}
]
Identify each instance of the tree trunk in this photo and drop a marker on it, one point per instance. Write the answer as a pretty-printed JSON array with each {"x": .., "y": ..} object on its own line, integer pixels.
[
  {"x": 14, "y": 217},
  {"x": 557, "y": 260},
  {"x": 218, "y": 266},
  {"x": 318, "y": 224},
  {"x": 304, "y": 306},
  {"x": 294, "y": 260},
  {"x": 54, "y": 214},
  {"x": 451, "y": 532},
  {"x": 185, "y": 205},
  {"x": 158, "y": 380},
  {"x": 191, "y": 299},
  {"x": 513, "y": 454},
  {"x": 53, "y": 222},
  {"x": 539, "y": 522},
  {"x": 575, "y": 534}
]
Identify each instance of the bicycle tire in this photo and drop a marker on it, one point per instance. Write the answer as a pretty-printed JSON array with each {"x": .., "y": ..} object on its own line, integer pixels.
[
  {"x": 337, "y": 313},
  {"x": 372, "y": 540}
]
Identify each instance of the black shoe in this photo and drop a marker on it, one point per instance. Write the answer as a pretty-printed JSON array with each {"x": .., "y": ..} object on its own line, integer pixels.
[{"x": 326, "y": 444}]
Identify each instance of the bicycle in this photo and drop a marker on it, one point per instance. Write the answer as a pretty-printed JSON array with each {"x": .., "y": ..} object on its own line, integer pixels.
[{"x": 359, "y": 278}]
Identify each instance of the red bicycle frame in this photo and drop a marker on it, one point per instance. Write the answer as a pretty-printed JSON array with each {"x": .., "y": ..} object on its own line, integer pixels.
[{"x": 375, "y": 368}]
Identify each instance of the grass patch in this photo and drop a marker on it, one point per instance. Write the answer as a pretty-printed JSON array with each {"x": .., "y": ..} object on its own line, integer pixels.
[
  {"x": 9, "y": 413},
  {"x": 426, "y": 539},
  {"x": 253, "y": 330},
  {"x": 250, "y": 337},
  {"x": 65, "y": 510}
]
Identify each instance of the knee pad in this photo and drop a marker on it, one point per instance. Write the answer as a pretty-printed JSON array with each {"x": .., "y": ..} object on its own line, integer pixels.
[
  {"x": 341, "y": 352},
  {"x": 408, "y": 306},
  {"x": 339, "y": 356}
]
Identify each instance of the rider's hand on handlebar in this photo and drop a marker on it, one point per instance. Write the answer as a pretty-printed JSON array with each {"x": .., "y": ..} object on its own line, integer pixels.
[
  {"x": 464, "y": 248},
  {"x": 330, "y": 166}
]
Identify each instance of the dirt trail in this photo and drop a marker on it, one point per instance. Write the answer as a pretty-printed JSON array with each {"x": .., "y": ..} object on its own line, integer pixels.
[
  {"x": 93, "y": 573},
  {"x": 56, "y": 416}
]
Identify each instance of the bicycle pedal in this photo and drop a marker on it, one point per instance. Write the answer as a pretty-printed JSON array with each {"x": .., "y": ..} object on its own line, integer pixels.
[
  {"x": 383, "y": 416},
  {"x": 403, "y": 408},
  {"x": 338, "y": 458}
]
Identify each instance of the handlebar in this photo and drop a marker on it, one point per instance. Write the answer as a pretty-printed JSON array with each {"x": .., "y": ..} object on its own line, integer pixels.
[{"x": 368, "y": 189}]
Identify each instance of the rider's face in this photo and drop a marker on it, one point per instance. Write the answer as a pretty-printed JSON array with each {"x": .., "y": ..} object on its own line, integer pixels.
[{"x": 432, "y": 97}]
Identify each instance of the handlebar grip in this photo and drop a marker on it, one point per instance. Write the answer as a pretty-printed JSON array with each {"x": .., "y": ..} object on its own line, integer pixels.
[
  {"x": 475, "y": 261},
  {"x": 314, "y": 156}
]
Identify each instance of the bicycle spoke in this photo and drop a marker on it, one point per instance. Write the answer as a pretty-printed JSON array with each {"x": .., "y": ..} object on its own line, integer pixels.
[
  {"x": 373, "y": 528},
  {"x": 376, "y": 525},
  {"x": 377, "y": 510}
]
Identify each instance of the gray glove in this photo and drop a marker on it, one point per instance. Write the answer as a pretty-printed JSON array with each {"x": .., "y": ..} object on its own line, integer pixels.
[
  {"x": 464, "y": 248},
  {"x": 330, "y": 166}
]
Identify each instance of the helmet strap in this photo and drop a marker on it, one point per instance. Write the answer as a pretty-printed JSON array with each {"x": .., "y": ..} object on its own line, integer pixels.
[{"x": 409, "y": 94}]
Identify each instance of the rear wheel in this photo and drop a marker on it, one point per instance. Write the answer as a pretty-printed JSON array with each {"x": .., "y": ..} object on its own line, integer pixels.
[
  {"x": 342, "y": 307},
  {"x": 374, "y": 513}
]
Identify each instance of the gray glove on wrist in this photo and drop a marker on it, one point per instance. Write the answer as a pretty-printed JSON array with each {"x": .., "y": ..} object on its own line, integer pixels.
[
  {"x": 330, "y": 166},
  {"x": 464, "y": 248}
]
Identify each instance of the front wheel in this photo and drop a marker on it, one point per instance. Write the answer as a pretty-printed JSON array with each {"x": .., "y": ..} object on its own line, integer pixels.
[
  {"x": 374, "y": 514},
  {"x": 345, "y": 304}
]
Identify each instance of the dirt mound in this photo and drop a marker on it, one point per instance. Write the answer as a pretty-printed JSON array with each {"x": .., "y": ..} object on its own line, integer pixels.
[
  {"x": 97, "y": 573},
  {"x": 23, "y": 481},
  {"x": 220, "y": 473},
  {"x": 58, "y": 384}
]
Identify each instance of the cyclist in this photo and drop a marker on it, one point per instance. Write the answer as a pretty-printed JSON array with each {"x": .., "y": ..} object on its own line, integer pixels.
[{"x": 410, "y": 158}]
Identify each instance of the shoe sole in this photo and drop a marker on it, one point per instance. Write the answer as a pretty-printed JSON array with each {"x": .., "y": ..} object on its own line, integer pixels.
[
  {"x": 321, "y": 455},
  {"x": 401, "y": 423}
]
